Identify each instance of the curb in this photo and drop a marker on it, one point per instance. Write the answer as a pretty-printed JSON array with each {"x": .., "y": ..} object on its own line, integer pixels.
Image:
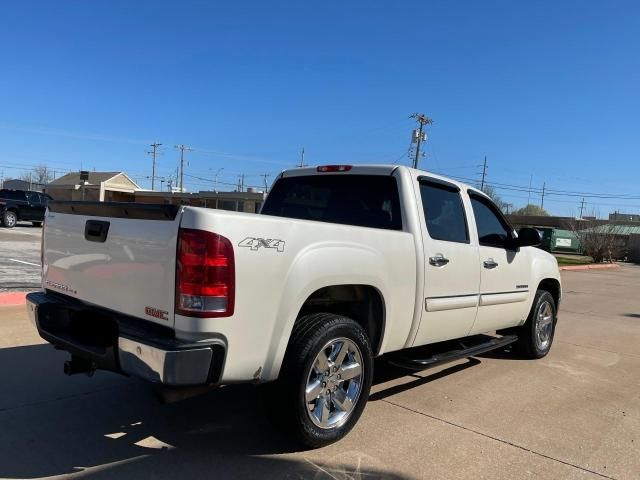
[
  {"x": 595, "y": 266},
  {"x": 10, "y": 299}
]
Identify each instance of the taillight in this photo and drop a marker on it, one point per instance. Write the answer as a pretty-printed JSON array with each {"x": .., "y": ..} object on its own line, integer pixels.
[
  {"x": 205, "y": 276},
  {"x": 333, "y": 168}
]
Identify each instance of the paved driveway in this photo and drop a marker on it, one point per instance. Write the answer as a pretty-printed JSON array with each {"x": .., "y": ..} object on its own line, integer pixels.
[
  {"x": 20, "y": 257},
  {"x": 572, "y": 415}
]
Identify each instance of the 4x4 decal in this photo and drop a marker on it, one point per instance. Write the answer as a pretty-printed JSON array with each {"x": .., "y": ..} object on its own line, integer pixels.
[{"x": 255, "y": 243}]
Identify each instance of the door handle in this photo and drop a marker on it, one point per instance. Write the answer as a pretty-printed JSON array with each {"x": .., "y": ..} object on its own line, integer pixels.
[
  {"x": 438, "y": 261},
  {"x": 490, "y": 263}
]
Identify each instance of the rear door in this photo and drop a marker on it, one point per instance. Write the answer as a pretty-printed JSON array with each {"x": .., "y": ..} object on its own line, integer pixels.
[
  {"x": 452, "y": 276},
  {"x": 505, "y": 270},
  {"x": 30, "y": 209},
  {"x": 118, "y": 256}
]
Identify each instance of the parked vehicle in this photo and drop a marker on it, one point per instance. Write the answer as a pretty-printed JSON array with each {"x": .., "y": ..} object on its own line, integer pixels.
[
  {"x": 22, "y": 205},
  {"x": 344, "y": 264}
]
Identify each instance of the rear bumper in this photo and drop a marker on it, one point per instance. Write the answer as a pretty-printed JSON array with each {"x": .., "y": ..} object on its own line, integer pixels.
[{"x": 122, "y": 344}]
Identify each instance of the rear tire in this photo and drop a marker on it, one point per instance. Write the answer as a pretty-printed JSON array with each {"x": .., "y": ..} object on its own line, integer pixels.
[
  {"x": 535, "y": 337},
  {"x": 9, "y": 219},
  {"x": 36, "y": 224},
  {"x": 325, "y": 379}
]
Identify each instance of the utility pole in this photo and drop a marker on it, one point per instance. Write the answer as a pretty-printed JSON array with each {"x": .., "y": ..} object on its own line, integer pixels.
[
  {"x": 153, "y": 153},
  {"x": 544, "y": 185},
  {"x": 266, "y": 185},
  {"x": 581, "y": 207},
  {"x": 215, "y": 179},
  {"x": 420, "y": 136},
  {"x": 182, "y": 148},
  {"x": 529, "y": 197},
  {"x": 484, "y": 173},
  {"x": 241, "y": 183},
  {"x": 302, "y": 164}
]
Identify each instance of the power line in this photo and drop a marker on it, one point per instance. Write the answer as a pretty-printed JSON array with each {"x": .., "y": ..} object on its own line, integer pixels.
[
  {"x": 182, "y": 148},
  {"x": 153, "y": 154},
  {"x": 266, "y": 186}
]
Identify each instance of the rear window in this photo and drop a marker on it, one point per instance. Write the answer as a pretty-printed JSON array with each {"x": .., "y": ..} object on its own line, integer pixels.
[
  {"x": 12, "y": 195},
  {"x": 361, "y": 200}
]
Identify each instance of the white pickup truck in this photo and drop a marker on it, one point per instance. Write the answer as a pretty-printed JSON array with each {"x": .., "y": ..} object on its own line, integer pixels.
[{"x": 344, "y": 264}]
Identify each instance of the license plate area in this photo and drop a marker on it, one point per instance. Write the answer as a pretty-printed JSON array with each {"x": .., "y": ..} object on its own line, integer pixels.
[{"x": 80, "y": 331}]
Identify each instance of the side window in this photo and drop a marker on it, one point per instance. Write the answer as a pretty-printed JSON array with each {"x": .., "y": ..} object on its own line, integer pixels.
[
  {"x": 444, "y": 213},
  {"x": 492, "y": 230}
]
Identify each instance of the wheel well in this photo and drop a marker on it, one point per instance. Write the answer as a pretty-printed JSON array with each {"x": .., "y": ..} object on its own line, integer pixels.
[
  {"x": 362, "y": 303},
  {"x": 552, "y": 286}
]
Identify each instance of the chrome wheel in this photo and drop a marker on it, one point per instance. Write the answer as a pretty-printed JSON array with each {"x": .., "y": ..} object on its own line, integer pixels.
[
  {"x": 10, "y": 220},
  {"x": 544, "y": 325},
  {"x": 334, "y": 383}
]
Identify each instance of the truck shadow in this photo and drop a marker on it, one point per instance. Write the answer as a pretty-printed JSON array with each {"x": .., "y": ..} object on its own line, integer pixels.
[
  {"x": 386, "y": 372},
  {"x": 113, "y": 427}
]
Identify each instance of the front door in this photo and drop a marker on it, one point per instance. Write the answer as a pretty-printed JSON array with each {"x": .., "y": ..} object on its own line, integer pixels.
[
  {"x": 452, "y": 275},
  {"x": 504, "y": 270}
]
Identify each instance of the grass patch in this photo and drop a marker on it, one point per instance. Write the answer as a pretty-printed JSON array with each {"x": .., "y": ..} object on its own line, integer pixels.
[{"x": 568, "y": 261}]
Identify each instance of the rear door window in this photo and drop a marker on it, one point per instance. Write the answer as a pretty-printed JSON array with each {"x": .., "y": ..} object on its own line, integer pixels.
[
  {"x": 444, "y": 212},
  {"x": 361, "y": 200}
]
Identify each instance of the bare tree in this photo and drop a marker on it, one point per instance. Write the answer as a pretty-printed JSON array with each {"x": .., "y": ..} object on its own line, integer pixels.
[
  {"x": 39, "y": 175},
  {"x": 601, "y": 241},
  {"x": 493, "y": 195}
]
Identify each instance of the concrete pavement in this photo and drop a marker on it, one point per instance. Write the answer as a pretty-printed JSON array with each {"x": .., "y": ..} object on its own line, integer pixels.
[
  {"x": 20, "y": 257},
  {"x": 573, "y": 415}
]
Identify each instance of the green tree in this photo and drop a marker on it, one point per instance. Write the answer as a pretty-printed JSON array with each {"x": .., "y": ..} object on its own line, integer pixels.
[{"x": 533, "y": 210}]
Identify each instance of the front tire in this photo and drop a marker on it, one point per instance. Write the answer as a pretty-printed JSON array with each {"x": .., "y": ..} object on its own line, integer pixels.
[
  {"x": 535, "y": 337},
  {"x": 37, "y": 224},
  {"x": 9, "y": 219},
  {"x": 325, "y": 379}
]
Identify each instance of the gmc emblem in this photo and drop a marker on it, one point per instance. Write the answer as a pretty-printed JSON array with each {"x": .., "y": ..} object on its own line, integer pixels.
[{"x": 156, "y": 313}]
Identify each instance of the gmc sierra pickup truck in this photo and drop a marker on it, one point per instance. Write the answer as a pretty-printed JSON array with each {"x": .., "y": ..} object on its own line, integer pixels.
[{"x": 344, "y": 263}]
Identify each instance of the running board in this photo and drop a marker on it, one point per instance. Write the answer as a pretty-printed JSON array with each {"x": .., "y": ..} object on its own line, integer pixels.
[{"x": 465, "y": 349}]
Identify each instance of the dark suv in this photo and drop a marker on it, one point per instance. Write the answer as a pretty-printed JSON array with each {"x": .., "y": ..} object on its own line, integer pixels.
[{"x": 22, "y": 205}]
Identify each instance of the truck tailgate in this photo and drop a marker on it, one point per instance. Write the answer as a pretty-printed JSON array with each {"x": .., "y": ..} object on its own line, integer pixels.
[{"x": 119, "y": 256}]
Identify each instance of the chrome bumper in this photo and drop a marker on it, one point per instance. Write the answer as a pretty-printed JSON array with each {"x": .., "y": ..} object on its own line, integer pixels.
[
  {"x": 171, "y": 367},
  {"x": 137, "y": 348}
]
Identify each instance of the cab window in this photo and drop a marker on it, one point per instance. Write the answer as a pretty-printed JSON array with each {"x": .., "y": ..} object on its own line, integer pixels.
[
  {"x": 493, "y": 231},
  {"x": 444, "y": 212}
]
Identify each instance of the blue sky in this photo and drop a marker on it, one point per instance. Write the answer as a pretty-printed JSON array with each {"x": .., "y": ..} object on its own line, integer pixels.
[{"x": 546, "y": 90}]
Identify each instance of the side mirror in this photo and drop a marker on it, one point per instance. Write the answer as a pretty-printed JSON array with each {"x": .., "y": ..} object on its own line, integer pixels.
[{"x": 528, "y": 237}]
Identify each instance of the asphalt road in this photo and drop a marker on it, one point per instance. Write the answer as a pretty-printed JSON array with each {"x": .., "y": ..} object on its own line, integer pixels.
[
  {"x": 20, "y": 257},
  {"x": 573, "y": 415}
]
